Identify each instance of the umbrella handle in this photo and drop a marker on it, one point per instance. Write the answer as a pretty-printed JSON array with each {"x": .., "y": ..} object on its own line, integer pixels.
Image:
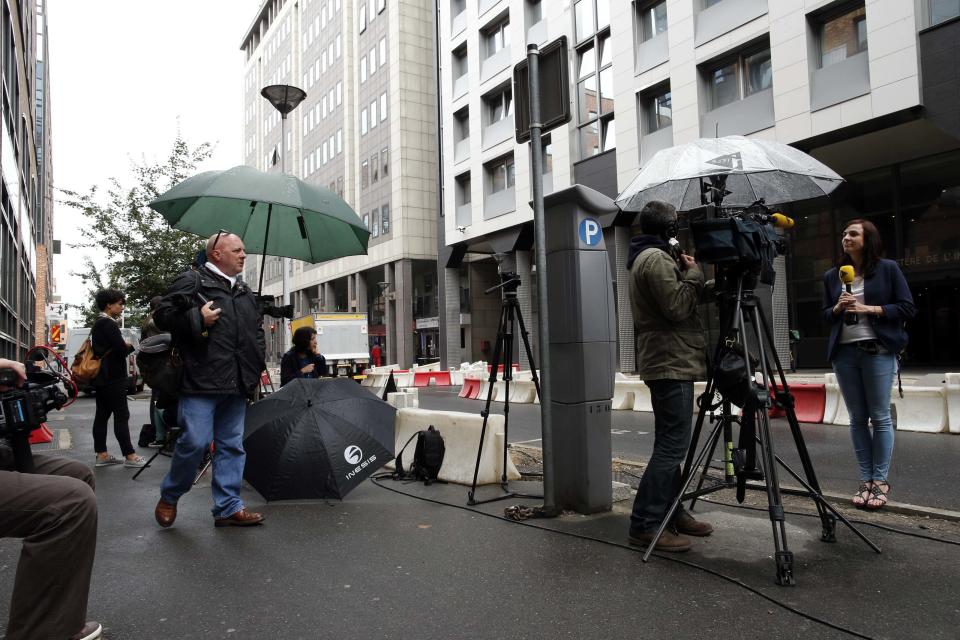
[{"x": 266, "y": 236}]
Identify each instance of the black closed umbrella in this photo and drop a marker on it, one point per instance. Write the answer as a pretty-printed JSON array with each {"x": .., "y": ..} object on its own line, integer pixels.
[{"x": 316, "y": 438}]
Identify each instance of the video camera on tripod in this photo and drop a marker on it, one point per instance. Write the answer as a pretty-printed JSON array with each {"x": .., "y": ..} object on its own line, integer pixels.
[
  {"x": 25, "y": 409},
  {"x": 739, "y": 241}
]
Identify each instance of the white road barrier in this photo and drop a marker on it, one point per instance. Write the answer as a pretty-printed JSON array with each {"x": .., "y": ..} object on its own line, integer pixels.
[
  {"x": 952, "y": 389},
  {"x": 921, "y": 409},
  {"x": 461, "y": 437}
]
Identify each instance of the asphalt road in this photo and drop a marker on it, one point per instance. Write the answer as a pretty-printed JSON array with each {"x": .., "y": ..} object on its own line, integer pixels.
[{"x": 923, "y": 471}]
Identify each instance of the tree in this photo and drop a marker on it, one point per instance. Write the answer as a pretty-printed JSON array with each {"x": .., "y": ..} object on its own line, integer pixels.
[{"x": 144, "y": 254}]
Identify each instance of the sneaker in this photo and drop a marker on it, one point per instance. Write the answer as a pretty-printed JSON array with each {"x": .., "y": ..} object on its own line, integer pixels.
[
  {"x": 669, "y": 541},
  {"x": 91, "y": 631},
  {"x": 106, "y": 462},
  {"x": 137, "y": 462},
  {"x": 157, "y": 444},
  {"x": 686, "y": 524}
]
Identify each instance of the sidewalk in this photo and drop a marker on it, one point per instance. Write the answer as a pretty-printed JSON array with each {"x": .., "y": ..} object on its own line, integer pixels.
[{"x": 396, "y": 560}]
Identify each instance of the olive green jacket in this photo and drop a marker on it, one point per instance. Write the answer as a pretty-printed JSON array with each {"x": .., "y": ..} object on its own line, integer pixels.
[{"x": 670, "y": 338}]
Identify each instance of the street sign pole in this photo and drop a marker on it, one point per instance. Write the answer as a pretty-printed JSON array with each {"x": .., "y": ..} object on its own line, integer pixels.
[{"x": 539, "y": 232}]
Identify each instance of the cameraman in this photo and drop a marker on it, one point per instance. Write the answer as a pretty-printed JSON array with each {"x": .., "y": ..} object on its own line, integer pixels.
[
  {"x": 664, "y": 294},
  {"x": 54, "y": 510}
]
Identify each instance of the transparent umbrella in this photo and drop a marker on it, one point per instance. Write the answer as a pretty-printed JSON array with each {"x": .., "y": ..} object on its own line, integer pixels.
[{"x": 735, "y": 170}]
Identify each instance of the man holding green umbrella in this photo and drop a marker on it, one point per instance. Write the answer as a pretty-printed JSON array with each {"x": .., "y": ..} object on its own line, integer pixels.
[{"x": 216, "y": 323}]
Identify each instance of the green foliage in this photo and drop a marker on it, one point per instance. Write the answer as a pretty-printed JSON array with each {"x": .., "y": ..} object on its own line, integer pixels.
[{"x": 144, "y": 254}]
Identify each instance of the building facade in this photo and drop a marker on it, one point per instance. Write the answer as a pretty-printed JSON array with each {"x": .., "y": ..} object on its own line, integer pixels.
[
  {"x": 366, "y": 131},
  {"x": 869, "y": 88},
  {"x": 26, "y": 218}
]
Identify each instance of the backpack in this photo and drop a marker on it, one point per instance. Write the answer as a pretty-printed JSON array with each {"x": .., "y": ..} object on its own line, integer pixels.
[
  {"x": 86, "y": 365},
  {"x": 427, "y": 456},
  {"x": 161, "y": 366}
]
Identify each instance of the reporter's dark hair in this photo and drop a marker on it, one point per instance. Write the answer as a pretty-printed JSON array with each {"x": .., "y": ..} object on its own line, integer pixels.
[
  {"x": 109, "y": 296},
  {"x": 656, "y": 217},
  {"x": 872, "y": 246},
  {"x": 301, "y": 339}
]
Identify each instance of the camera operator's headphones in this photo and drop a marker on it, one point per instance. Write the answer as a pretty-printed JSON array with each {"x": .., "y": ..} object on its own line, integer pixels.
[{"x": 672, "y": 230}]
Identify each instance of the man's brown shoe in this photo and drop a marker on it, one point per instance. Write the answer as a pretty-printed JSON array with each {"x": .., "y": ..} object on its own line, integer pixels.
[
  {"x": 242, "y": 518},
  {"x": 687, "y": 524},
  {"x": 669, "y": 541},
  {"x": 165, "y": 513}
]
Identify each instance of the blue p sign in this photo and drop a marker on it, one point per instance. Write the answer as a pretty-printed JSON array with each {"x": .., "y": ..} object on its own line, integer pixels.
[{"x": 590, "y": 232}]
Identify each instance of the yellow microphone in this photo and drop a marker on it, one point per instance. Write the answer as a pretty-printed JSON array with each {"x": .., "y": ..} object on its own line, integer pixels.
[
  {"x": 782, "y": 221},
  {"x": 846, "y": 277}
]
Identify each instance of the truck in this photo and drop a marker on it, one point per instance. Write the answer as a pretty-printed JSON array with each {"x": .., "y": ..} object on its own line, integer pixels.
[
  {"x": 75, "y": 338},
  {"x": 341, "y": 339}
]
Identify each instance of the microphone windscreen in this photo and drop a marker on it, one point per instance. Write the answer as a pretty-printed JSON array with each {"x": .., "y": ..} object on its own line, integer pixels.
[
  {"x": 782, "y": 221},
  {"x": 846, "y": 274}
]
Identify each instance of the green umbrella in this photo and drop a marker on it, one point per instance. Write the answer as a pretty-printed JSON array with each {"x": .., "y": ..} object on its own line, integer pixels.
[{"x": 275, "y": 214}]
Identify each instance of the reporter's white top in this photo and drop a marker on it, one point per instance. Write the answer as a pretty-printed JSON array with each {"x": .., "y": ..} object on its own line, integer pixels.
[{"x": 863, "y": 330}]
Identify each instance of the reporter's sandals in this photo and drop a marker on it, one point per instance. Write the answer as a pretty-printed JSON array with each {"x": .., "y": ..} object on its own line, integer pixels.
[{"x": 878, "y": 496}]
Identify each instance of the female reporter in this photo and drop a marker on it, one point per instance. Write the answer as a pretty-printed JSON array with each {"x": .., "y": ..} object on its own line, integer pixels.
[
  {"x": 867, "y": 316},
  {"x": 302, "y": 360}
]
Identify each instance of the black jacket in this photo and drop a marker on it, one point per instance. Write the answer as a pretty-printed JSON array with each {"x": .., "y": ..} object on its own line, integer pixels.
[
  {"x": 290, "y": 367},
  {"x": 227, "y": 357},
  {"x": 885, "y": 287},
  {"x": 107, "y": 339}
]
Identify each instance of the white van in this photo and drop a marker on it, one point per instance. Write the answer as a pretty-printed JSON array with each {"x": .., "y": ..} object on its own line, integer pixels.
[{"x": 75, "y": 339}]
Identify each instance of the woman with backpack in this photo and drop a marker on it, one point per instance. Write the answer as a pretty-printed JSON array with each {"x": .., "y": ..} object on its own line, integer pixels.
[
  {"x": 111, "y": 381},
  {"x": 302, "y": 360}
]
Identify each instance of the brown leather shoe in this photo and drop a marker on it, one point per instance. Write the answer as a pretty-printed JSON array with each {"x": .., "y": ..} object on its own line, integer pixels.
[
  {"x": 242, "y": 518},
  {"x": 687, "y": 524},
  {"x": 669, "y": 541},
  {"x": 165, "y": 513},
  {"x": 91, "y": 631}
]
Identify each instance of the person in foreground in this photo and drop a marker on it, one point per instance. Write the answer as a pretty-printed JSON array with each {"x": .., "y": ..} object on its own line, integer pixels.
[
  {"x": 54, "y": 510},
  {"x": 302, "y": 360},
  {"x": 867, "y": 332},
  {"x": 216, "y": 323},
  {"x": 664, "y": 295}
]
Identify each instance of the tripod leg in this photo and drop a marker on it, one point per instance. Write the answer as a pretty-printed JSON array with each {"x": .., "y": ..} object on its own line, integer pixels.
[
  {"x": 146, "y": 466},
  {"x": 494, "y": 366},
  {"x": 507, "y": 378}
]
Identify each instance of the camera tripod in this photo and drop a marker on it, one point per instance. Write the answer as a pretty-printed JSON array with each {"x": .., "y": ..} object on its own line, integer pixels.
[
  {"x": 503, "y": 355},
  {"x": 739, "y": 307},
  {"x": 173, "y": 434}
]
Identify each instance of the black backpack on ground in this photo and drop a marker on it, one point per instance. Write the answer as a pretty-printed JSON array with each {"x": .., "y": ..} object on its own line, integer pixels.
[{"x": 427, "y": 457}]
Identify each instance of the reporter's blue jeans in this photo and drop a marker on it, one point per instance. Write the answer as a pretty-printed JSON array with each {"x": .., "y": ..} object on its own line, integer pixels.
[
  {"x": 672, "y": 402},
  {"x": 865, "y": 380},
  {"x": 207, "y": 418}
]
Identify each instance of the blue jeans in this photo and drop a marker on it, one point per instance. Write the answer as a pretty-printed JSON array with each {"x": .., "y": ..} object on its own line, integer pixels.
[
  {"x": 205, "y": 419},
  {"x": 672, "y": 402},
  {"x": 865, "y": 380}
]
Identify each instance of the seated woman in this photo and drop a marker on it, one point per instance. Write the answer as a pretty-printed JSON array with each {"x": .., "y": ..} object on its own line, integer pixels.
[{"x": 302, "y": 361}]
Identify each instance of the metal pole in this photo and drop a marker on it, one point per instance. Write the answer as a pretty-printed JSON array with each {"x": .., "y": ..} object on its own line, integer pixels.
[
  {"x": 284, "y": 262},
  {"x": 540, "y": 244}
]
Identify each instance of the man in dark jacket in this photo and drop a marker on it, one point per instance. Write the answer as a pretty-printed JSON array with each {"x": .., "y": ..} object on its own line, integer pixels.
[
  {"x": 664, "y": 295},
  {"x": 217, "y": 326}
]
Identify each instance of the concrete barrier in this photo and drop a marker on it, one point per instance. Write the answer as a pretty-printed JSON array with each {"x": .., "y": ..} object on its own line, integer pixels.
[
  {"x": 623, "y": 394},
  {"x": 831, "y": 398},
  {"x": 921, "y": 409},
  {"x": 468, "y": 387},
  {"x": 522, "y": 391},
  {"x": 456, "y": 377},
  {"x": 423, "y": 378},
  {"x": 952, "y": 390},
  {"x": 400, "y": 400},
  {"x": 461, "y": 437},
  {"x": 403, "y": 378},
  {"x": 809, "y": 402},
  {"x": 641, "y": 397}
]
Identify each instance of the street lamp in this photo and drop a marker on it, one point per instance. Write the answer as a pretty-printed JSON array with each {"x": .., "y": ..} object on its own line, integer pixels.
[{"x": 284, "y": 98}]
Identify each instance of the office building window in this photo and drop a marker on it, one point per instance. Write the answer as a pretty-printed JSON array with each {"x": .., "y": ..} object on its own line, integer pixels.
[
  {"x": 547, "y": 143},
  {"x": 385, "y": 218},
  {"x": 374, "y": 169},
  {"x": 463, "y": 189},
  {"x": 383, "y": 51},
  {"x": 497, "y": 37},
  {"x": 501, "y": 174},
  {"x": 340, "y": 186},
  {"x": 651, "y": 20},
  {"x": 363, "y": 18},
  {"x": 373, "y": 114},
  {"x": 363, "y": 69},
  {"x": 842, "y": 34},
  {"x": 366, "y": 221},
  {"x": 385, "y": 162},
  {"x": 363, "y": 122},
  {"x": 657, "y": 109},
  {"x": 739, "y": 77},
  {"x": 597, "y": 131},
  {"x": 499, "y": 105},
  {"x": 943, "y": 10},
  {"x": 372, "y": 59},
  {"x": 383, "y": 106},
  {"x": 375, "y": 232},
  {"x": 364, "y": 174}
]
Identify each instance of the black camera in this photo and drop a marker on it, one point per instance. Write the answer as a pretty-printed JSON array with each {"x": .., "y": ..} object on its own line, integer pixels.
[
  {"x": 739, "y": 241},
  {"x": 25, "y": 409},
  {"x": 268, "y": 307}
]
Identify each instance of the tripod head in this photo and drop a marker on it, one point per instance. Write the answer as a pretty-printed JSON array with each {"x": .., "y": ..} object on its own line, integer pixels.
[{"x": 509, "y": 283}]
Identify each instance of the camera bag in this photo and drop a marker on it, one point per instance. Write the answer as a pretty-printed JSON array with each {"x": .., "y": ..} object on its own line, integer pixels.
[{"x": 427, "y": 457}]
